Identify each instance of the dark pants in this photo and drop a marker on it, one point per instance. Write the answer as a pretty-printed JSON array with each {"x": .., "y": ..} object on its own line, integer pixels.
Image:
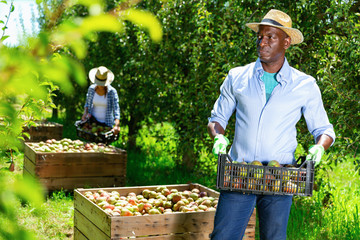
[{"x": 234, "y": 210}]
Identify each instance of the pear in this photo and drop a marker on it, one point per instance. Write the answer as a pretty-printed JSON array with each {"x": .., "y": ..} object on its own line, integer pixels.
[{"x": 257, "y": 173}]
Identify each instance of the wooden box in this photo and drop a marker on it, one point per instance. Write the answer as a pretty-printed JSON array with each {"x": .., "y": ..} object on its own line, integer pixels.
[
  {"x": 68, "y": 171},
  {"x": 44, "y": 131},
  {"x": 92, "y": 223}
]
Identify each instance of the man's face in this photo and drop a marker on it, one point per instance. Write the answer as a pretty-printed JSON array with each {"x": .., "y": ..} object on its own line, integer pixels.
[{"x": 271, "y": 44}]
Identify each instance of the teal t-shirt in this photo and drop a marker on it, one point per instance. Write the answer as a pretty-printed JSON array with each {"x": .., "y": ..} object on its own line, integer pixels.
[{"x": 270, "y": 82}]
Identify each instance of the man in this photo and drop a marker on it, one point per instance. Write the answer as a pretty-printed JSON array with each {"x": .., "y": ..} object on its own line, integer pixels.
[{"x": 268, "y": 98}]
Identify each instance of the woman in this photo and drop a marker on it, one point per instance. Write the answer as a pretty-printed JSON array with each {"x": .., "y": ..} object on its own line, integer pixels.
[{"x": 102, "y": 101}]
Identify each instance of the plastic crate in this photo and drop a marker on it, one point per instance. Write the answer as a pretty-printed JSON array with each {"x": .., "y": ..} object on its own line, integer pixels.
[
  {"x": 107, "y": 137},
  {"x": 254, "y": 179}
]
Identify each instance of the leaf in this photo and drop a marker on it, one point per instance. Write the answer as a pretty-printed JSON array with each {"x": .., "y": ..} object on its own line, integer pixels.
[
  {"x": 145, "y": 20},
  {"x": 4, "y": 37},
  {"x": 104, "y": 22},
  {"x": 6, "y": 109},
  {"x": 29, "y": 190},
  {"x": 87, "y": 3},
  {"x": 79, "y": 47},
  {"x": 26, "y": 134}
]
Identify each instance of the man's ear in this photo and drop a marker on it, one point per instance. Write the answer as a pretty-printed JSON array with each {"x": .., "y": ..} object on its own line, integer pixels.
[{"x": 287, "y": 42}]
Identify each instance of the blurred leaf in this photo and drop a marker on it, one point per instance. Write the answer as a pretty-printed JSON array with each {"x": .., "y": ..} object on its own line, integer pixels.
[
  {"x": 4, "y": 37},
  {"x": 104, "y": 22},
  {"x": 79, "y": 47},
  {"x": 29, "y": 190},
  {"x": 145, "y": 20},
  {"x": 87, "y": 3},
  {"x": 6, "y": 109},
  {"x": 26, "y": 134}
]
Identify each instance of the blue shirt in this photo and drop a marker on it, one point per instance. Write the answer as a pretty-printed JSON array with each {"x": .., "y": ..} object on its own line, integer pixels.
[
  {"x": 266, "y": 130},
  {"x": 112, "y": 104}
]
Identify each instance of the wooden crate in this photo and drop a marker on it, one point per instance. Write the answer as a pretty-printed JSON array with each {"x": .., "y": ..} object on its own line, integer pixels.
[
  {"x": 44, "y": 131},
  {"x": 91, "y": 222},
  {"x": 68, "y": 171}
]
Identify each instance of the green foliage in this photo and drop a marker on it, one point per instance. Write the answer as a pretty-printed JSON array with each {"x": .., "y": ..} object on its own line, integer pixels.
[
  {"x": 31, "y": 74},
  {"x": 157, "y": 154},
  {"x": 202, "y": 40},
  {"x": 14, "y": 192},
  {"x": 158, "y": 139}
]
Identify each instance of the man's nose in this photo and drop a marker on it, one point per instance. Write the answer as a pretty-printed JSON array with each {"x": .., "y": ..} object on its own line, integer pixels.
[{"x": 263, "y": 41}]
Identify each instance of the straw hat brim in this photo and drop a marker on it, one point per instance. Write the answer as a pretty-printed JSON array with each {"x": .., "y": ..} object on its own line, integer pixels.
[
  {"x": 295, "y": 35},
  {"x": 109, "y": 79}
]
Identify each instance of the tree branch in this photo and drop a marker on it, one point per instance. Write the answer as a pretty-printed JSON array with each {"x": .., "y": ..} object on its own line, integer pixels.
[{"x": 7, "y": 20}]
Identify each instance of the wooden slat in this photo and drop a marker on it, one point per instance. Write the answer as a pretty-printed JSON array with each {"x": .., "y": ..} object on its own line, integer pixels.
[
  {"x": 29, "y": 153},
  {"x": 29, "y": 166},
  {"x": 42, "y": 133},
  {"x": 71, "y": 183},
  {"x": 99, "y": 169},
  {"x": 27, "y": 173},
  {"x": 78, "y": 235},
  {"x": 94, "y": 214},
  {"x": 85, "y": 157},
  {"x": 178, "y": 236},
  {"x": 162, "y": 224},
  {"x": 87, "y": 228}
]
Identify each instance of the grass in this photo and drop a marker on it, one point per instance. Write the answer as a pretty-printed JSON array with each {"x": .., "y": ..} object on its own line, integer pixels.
[
  {"x": 54, "y": 220},
  {"x": 333, "y": 210},
  {"x": 331, "y": 213}
]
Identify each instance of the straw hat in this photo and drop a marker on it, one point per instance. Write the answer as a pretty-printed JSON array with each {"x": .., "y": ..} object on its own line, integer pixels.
[
  {"x": 279, "y": 19},
  {"x": 101, "y": 76}
]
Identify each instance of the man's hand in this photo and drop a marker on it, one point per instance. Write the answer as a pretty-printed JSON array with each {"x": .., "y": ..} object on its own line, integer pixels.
[
  {"x": 220, "y": 144},
  {"x": 315, "y": 153}
]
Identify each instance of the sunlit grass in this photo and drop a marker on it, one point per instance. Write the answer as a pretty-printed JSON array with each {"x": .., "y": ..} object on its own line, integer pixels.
[
  {"x": 333, "y": 211},
  {"x": 54, "y": 220}
]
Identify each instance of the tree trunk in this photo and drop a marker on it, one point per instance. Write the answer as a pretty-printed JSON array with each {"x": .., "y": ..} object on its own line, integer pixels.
[
  {"x": 55, "y": 113},
  {"x": 133, "y": 130}
]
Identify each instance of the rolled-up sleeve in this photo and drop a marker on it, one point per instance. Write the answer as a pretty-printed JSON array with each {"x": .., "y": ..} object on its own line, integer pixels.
[
  {"x": 225, "y": 104},
  {"x": 315, "y": 115},
  {"x": 116, "y": 106}
]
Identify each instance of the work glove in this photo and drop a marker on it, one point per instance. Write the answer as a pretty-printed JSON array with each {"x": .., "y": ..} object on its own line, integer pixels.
[
  {"x": 220, "y": 144},
  {"x": 315, "y": 153}
]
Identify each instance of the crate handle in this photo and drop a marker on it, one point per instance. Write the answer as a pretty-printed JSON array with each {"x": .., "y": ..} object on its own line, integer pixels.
[
  {"x": 304, "y": 161},
  {"x": 224, "y": 155}
]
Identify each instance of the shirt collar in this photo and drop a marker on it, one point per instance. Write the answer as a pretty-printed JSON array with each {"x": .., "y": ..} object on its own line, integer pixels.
[{"x": 283, "y": 75}]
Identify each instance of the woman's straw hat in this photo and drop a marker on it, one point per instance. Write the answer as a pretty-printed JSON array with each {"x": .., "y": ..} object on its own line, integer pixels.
[
  {"x": 101, "y": 76},
  {"x": 279, "y": 19}
]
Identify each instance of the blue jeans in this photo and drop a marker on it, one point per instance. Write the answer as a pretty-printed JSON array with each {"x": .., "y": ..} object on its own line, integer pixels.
[{"x": 234, "y": 210}]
